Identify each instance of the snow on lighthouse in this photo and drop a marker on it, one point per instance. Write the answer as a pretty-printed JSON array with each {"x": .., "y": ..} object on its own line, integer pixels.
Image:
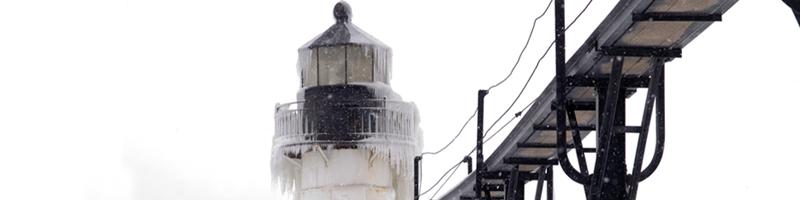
[{"x": 349, "y": 136}]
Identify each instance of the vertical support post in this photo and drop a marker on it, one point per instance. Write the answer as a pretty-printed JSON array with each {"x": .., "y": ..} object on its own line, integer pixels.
[
  {"x": 479, "y": 146},
  {"x": 617, "y": 168},
  {"x": 511, "y": 184},
  {"x": 468, "y": 160},
  {"x": 561, "y": 124},
  {"x": 610, "y": 164},
  {"x": 550, "y": 193},
  {"x": 521, "y": 189},
  {"x": 540, "y": 182},
  {"x": 417, "y": 160},
  {"x": 561, "y": 98},
  {"x": 609, "y": 180},
  {"x": 509, "y": 193}
]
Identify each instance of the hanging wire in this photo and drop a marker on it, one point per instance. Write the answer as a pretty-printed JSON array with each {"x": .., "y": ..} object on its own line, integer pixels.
[
  {"x": 445, "y": 181},
  {"x": 579, "y": 15},
  {"x": 528, "y": 41},
  {"x": 440, "y": 178},
  {"x": 518, "y": 96},
  {"x": 501, "y": 128},
  {"x": 536, "y": 67},
  {"x": 459, "y": 163},
  {"x": 519, "y": 58},
  {"x": 454, "y": 138},
  {"x": 527, "y": 82}
]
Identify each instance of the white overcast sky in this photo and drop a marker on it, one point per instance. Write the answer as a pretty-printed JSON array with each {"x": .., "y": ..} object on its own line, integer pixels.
[{"x": 174, "y": 99}]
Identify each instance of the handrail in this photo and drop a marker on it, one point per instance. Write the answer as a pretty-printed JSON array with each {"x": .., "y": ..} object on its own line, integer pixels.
[
  {"x": 367, "y": 122},
  {"x": 283, "y": 106}
]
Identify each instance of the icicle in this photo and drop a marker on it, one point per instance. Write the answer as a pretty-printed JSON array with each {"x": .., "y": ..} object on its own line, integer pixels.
[
  {"x": 351, "y": 114},
  {"x": 398, "y": 140}
]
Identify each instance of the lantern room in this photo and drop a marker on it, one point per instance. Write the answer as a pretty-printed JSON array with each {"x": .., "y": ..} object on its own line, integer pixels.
[{"x": 344, "y": 54}]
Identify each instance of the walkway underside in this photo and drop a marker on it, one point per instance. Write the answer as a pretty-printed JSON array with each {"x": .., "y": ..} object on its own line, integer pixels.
[{"x": 644, "y": 34}]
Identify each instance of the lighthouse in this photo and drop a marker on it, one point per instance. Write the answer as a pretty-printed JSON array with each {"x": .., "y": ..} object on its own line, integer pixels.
[{"x": 348, "y": 135}]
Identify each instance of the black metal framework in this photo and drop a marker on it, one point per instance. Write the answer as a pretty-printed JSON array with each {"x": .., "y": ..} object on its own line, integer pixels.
[
  {"x": 479, "y": 168},
  {"x": 610, "y": 179},
  {"x": 512, "y": 184},
  {"x": 578, "y": 144},
  {"x": 646, "y": 116},
  {"x": 795, "y": 5},
  {"x": 539, "y": 183},
  {"x": 658, "y": 16},
  {"x": 468, "y": 160},
  {"x": 560, "y": 101},
  {"x": 580, "y": 81},
  {"x": 545, "y": 174},
  {"x": 530, "y": 161},
  {"x": 567, "y": 99},
  {"x": 641, "y": 51}
]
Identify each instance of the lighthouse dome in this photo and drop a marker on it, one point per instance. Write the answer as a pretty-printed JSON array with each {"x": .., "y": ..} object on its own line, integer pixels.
[
  {"x": 344, "y": 54},
  {"x": 343, "y": 32}
]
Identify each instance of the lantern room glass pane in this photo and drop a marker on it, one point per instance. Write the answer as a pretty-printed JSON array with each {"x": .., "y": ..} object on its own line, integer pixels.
[
  {"x": 359, "y": 64},
  {"x": 382, "y": 63},
  {"x": 331, "y": 65},
  {"x": 309, "y": 68}
]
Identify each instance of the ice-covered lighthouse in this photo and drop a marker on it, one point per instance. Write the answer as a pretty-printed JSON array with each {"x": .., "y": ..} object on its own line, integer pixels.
[{"x": 349, "y": 136}]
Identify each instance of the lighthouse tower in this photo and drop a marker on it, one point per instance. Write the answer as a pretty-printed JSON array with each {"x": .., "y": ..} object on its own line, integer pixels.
[{"x": 349, "y": 136}]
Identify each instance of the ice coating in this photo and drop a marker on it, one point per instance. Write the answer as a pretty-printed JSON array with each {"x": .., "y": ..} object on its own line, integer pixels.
[
  {"x": 392, "y": 134},
  {"x": 347, "y": 125},
  {"x": 344, "y": 54},
  {"x": 312, "y": 65},
  {"x": 343, "y": 32}
]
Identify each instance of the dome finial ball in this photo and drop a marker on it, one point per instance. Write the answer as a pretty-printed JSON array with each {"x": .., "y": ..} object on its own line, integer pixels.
[{"x": 342, "y": 12}]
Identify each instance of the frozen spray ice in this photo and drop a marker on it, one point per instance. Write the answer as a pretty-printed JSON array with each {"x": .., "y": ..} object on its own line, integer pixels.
[{"x": 349, "y": 136}]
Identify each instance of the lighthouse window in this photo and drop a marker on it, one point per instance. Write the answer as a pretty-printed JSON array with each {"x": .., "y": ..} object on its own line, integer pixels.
[
  {"x": 383, "y": 68},
  {"x": 308, "y": 65},
  {"x": 331, "y": 65},
  {"x": 359, "y": 64}
]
